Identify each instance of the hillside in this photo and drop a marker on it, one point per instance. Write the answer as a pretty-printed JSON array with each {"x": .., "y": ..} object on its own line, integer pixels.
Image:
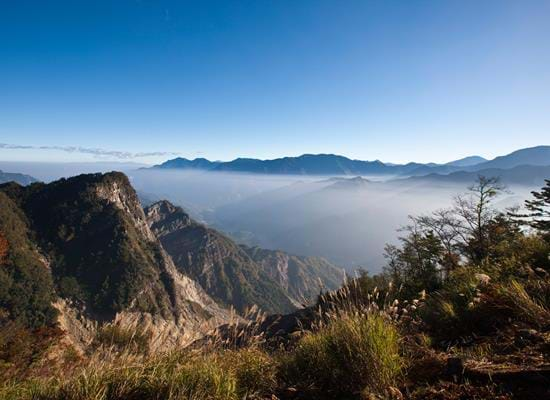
[
  {"x": 303, "y": 278},
  {"x": 450, "y": 317},
  {"x": 228, "y": 272},
  {"x": 527, "y": 175},
  {"x": 91, "y": 238},
  {"x": 22, "y": 179},
  {"x": 537, "y": 156}
]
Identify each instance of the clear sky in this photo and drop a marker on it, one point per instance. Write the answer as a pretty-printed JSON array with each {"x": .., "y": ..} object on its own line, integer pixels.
[{"x": 390, "y": 80}]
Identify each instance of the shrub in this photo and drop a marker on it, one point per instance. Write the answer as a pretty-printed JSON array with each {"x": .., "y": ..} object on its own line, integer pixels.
[
  {"x": 351, "y": 353},
  {"x": 513, "y": 300}
]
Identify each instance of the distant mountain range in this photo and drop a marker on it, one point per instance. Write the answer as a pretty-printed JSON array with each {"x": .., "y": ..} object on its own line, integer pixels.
[
  {"x": 22, "y": 179},
  {"x": 530, "y": 175},
  {"x": 330, "y": 164}
]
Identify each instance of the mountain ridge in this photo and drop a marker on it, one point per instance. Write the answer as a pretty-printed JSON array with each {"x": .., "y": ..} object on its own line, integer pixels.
[
  {"x": 332, "y": 164},
  {"x": 236, "y": 275},
  {"x": 21, "y": 179},
  {"x": 89, "y": 233}
]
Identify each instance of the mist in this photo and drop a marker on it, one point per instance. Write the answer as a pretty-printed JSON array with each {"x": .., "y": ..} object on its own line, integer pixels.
[{"x": 346, "y": 220}]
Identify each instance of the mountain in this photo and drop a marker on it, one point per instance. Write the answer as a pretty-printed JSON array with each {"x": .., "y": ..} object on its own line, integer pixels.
[
  {"x": 307, "y": 164},
  {"x": 467, "y": 161},
  {"x": 85, "y": 243},
  {"x": 22, "y": 179},
  {"x": 331, "y": 164},
  {"x": 184, "y": 163},
  {"x": 229, "y": 272},
  {"x": 219, "y": 265},
  {"x": 350, "y": 183},
  {"x": 303, "y": 278},
  {"x": 538, "y": 156},
  {"x": 526, "y": 175}
]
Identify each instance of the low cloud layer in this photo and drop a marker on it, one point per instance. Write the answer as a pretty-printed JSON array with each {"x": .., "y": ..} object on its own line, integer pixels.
[{"x": 96, "y": 152}]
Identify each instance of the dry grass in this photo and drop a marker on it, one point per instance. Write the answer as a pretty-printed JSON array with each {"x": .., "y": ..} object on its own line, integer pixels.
[
  {"x": 347, "y": 355},
  {"x": 353, "y": 347}
]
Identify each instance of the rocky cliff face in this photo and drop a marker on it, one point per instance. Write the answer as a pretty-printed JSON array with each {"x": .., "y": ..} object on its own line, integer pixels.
[
  {"x": 303, "y": 278},
  {"x": 221, "y": 267},
  {"x": 235, "y": 275},
  {"x": 106, "y": 263}
]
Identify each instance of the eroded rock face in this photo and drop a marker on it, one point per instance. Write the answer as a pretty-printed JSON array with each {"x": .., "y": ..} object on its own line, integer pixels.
[
  {"x": 221, "y": 267},
  {"x": 236, "y": 275},
  {"x": 303, "y": 278},
  {"x": 119, "y": 193},
  {"x": 108, "y": 265}
]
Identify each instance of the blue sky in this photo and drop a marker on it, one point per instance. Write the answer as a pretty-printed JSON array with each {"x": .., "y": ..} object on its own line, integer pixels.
[{"x": 390, "y": 80}]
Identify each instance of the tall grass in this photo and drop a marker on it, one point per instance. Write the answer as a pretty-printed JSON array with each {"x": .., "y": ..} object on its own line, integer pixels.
[
  {"x": 226, "y": 375},
  {"x": 353, "y": 346},
  {"x": 348, "y": 354}
]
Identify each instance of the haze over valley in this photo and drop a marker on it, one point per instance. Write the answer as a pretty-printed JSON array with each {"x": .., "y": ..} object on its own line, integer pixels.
[{"x": 288, "y": 205}]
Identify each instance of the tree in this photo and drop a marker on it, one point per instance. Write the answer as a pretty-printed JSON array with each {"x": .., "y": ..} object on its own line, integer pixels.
[
  {"x": 416, "y": 265},
  {"x": 443, "y": 224},
  {"x": 538, "y": 215},
  {"x": 475, "y": 212}
]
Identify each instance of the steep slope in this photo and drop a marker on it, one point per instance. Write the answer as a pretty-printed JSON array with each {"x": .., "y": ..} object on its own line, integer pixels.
[
  {"x": 536, "y": 156},
  {"x": 303, "y": 278},
  {"x": 222, "y": 268},
  {"x": 105, "y": 260},
  {"x": 26, "y": 286},
  {"x": 22, "y": 179}
]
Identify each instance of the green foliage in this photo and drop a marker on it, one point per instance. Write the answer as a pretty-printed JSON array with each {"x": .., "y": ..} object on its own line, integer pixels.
[
  {"x": 26, "y": 288},
  {"x": 351, "y": 354},
  {"x": 97, "y": 253},
  {"x": 416, "y": 265},
  {"x": 513, "y": 300},
  {"x": 538, "y": 208},
  {"x": 231, "y": 375}
]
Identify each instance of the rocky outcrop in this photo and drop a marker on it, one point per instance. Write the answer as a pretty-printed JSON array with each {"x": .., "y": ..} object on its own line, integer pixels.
[
  {"x": 303, "y": 278},
  {"x": 221, "y": 267},
  {"x": 236, "y": 275},
  {"x": 107, "y": 265}
]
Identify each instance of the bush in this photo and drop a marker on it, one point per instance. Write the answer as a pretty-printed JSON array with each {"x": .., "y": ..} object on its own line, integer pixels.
[
  {"x": 350, "y": 354},
  {"x": 121, "y": 338},
  {"x": 512, "y": 300},
  {"x": 448, "y": 313}
]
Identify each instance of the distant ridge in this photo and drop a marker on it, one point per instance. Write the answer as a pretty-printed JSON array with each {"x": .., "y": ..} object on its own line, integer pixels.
[
  {"x": 521, "y": 175},
  {"x": 467, "y": 161},
  {"x": 336, "y": 165},
  {"x": 538, "y": 156},
  {"x": 22, "y": 179}
]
